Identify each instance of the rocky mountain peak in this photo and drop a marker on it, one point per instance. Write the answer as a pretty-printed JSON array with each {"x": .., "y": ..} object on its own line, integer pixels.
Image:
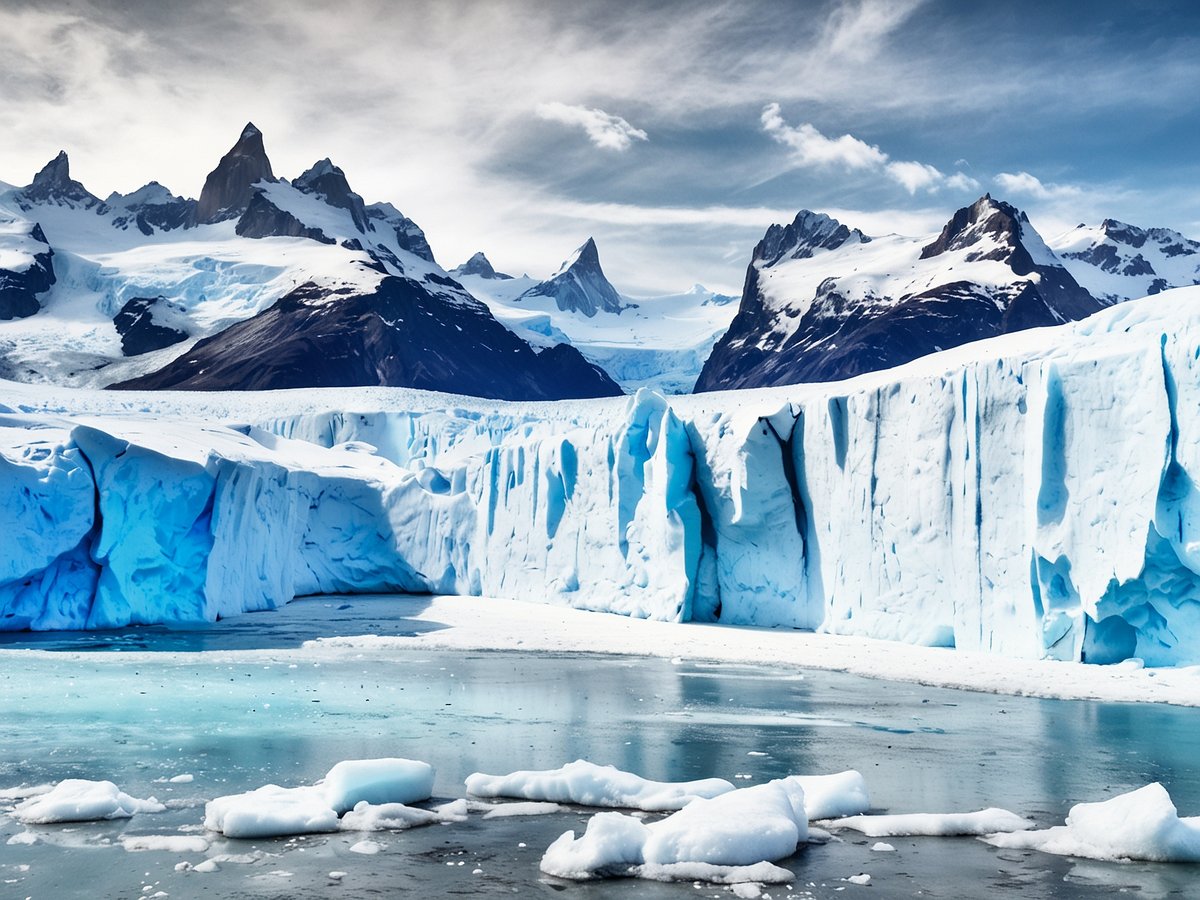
[
  {"x": 807, "y": 233},
  {"x": 53, "y": 184},
  {"x": 580, "y": 284},
  {"x": 992, "y": 226},
  {"x": 479, "y": 265},
  {"x": 327, "y": 181},
  {"x": 227, "y": 190}
]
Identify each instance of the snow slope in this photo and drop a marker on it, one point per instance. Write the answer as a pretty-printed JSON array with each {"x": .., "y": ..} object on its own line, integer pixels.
[
  {"x": 659, "y": 342},
  {"x": 1031, "y": 496},
  {"x": 1118, "y": 262},
  {"x": 261, "y": 283},
  {"x": 823, "y": 302}
]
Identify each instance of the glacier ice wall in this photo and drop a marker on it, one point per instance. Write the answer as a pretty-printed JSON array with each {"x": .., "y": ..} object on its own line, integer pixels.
[{"x": 1033, "y": 496}]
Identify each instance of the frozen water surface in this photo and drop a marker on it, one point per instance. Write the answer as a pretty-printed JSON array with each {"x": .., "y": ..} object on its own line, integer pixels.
[{"x": 242, "y": 703}]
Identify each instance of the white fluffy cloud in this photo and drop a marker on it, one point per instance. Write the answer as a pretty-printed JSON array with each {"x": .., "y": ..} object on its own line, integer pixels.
[
  {"x": 1032, "y": 186},
  {"x": 812, "y": 149},
  {"x": 603, "y": 129}
]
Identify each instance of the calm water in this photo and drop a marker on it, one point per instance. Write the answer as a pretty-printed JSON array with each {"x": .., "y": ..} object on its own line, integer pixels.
[{"x": 236, "y": 721}]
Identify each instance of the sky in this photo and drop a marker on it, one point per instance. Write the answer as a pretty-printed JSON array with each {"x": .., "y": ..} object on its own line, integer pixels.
[{"x": 673, "y": 131}]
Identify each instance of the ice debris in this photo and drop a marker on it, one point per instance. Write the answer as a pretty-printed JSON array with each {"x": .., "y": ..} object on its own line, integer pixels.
[{"x": 588, "y": 784}]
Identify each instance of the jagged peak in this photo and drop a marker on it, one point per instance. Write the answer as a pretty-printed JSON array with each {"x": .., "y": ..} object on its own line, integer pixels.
[
  {"x": 53, "y": 184},
  {"x": 480, "y": 266},
  {"x": 808, "y": 232},
  {"x": 580, "y": 284},
  {"x": 150, "y": 194},
  {"x": 57, "y": 171},
  {"x": 227, "y": 190},
  {"x": 586, "y": 257},
  {"x": 321, "y": 167},
  {"x": 991, "y": 229}
]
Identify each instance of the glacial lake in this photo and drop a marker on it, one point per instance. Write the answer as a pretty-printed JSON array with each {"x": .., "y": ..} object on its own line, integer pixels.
[{"x": 141, "y": 706}]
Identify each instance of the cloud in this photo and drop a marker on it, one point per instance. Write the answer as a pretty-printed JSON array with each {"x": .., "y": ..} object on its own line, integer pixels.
[
  {"x": 603, "y": 129},
  {"x": 961, "y": 181},
  {"x": 1032, "y": 186},
  {"x": 812, "y": 149},
  {"x": 915, "y": 176}
]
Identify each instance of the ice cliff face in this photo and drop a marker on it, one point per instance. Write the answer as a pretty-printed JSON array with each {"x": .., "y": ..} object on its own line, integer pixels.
[{"x": 1032, "y": 496}]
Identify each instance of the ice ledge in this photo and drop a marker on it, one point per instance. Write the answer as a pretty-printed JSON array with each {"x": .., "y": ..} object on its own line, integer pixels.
[{"x": 1034, "y": 497}]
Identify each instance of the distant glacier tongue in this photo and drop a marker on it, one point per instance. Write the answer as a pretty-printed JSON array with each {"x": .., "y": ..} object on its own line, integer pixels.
[{"x": 1033, "y": 496}]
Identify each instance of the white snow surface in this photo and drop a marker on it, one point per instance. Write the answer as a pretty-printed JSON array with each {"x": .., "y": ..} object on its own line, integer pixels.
[
  {"x": 377, "y": 781},
  {"x": 1115, "y": 270},
  {"x": 370, "y": 792},
  {"x": 739, "y": 828},
  {"x": 1031, "y": 496},
  {"x": 1139, "y": 825},
  {"x": 214, "y": 276},
  {"x": 80, "y": 800},
  {"x": 985, "y": 821},
  {"x": 588, "y": 784},
  {"x": 270, "y": 811}
]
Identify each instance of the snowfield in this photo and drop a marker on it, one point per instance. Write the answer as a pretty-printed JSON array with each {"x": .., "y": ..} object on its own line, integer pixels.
[{"x": 1031, "y": 496}]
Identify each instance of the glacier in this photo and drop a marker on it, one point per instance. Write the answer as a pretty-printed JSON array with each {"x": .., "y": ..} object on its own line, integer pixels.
[{"x": 1034, "y": 495}]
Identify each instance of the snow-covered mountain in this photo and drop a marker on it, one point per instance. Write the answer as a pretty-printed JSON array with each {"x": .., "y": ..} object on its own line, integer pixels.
[
  {"x": 260, "y": 283},
  {"x": 1118, "y": 262},
  {"x": 578, "y": 286},
  {"x": 823, "y": 302},
  {"x": 658, "y": 342}
]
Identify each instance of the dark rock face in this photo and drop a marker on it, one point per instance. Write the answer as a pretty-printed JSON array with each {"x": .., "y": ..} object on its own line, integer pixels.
[
  {"x": 1133, "y": 252},
  {"x": 580, "y": 285},
  {"x": 327, "y": 181},
  {"x": 808, "y": 233},
  {"x": 263, "y": 218},
  {"x": 480, "y": 265},
  {"x": 837, "y": 336},
  {"x": 54, "y": 185},
  {"x": 400, "y": 335},
  {"x": 227, "y": 190},
  {"x": 151, "y": 208},
  {"x": 409, "y": 236},
  {"x": 19, "y": 290},
  {"x": 139, "y": 323}
]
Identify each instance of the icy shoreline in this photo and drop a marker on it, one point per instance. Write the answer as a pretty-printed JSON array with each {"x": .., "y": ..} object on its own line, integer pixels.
[
  {"x": 487, "y": 624},
  {"x": 1030, "y": 497}
]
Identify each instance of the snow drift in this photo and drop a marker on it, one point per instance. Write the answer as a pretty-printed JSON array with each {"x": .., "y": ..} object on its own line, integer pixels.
[{"x": 1033, "y": 495}]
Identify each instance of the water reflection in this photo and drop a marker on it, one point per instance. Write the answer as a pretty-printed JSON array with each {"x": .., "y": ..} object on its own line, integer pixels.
[{"x": 237, "y": 721}]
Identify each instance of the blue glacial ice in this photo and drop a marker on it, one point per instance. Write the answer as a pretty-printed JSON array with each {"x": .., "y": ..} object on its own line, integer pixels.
[{"x": 1033, "y": 496}]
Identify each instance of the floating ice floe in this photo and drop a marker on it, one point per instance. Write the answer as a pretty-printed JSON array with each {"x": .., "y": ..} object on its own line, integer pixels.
[
  {"x": 393, "y": 780},
  {"x": 1139, "y": 825},
  {"x": 840, "y": 794},
  {"x": 526, "y": 808},
  {"x": 985, "y": 821},
  {"x": 588, "y": 784},
  {"x": 169, "y": 843},
  {"x": 78, "y": 800},
  {"x": 398, "y": 817},
  {"x": 371, "y": 792},
  {"x": 737, "y": 829}
]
